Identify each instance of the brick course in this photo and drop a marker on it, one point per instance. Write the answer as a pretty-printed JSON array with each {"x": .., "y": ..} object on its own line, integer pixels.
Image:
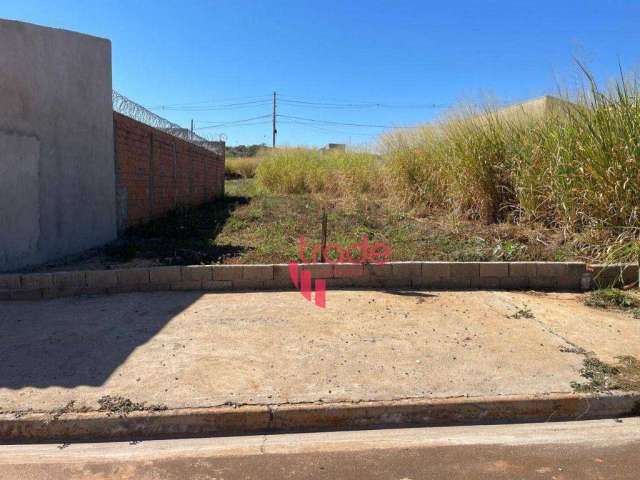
[{"x": 157, "y": 172}]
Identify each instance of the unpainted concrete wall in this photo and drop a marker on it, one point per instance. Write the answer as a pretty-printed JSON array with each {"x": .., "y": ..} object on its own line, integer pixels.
[{"x": 57, "y": 181}]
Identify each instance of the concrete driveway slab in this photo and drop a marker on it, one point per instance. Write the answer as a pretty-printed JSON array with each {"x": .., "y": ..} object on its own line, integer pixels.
[{"x": 188, "y": 349}]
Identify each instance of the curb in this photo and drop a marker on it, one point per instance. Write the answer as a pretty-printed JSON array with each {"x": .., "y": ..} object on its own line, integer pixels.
[
  {"x": 418, "y": 275},
  {"x": 308, "y": 417}
]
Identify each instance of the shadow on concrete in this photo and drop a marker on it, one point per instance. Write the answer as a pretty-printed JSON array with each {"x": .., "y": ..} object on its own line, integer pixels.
[
  {"x": 82, "y": 340},
  {"x": 410, "y": 293},
  {"x": 183, "y": 237}
]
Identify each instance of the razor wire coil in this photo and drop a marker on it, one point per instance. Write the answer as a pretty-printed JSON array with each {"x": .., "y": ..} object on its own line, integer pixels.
[{"x": 131, "y": 109}]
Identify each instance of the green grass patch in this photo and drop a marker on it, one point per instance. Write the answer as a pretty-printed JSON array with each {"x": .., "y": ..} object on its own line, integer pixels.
[
  {"x": 255, "y": 226},
  {"x": 250, "y": 225},
  {"x": 611, "y": 298},
  {"x": 266, "y": 229}
]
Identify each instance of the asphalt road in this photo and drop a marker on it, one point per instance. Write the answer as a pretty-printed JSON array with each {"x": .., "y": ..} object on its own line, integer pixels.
[{"x": 606, "y": 449}]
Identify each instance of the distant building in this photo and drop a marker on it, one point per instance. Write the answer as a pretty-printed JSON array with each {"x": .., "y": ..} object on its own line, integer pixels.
[
  {"x": 536, "y": 107},
  {"x": 335, "y": 146}
]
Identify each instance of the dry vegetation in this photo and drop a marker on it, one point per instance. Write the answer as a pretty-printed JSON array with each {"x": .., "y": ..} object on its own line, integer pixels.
[
  {"x": 603, "y": 377},
  {"x": 479, "y": 185},
  {"x": 333, "y": 173},
  {"x": 573, "y": 169},
  {"x": 241, "y": 167}
]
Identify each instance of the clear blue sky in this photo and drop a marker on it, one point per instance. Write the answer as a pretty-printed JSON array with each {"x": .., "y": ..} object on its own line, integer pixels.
[{"x": 394, "y": 52}]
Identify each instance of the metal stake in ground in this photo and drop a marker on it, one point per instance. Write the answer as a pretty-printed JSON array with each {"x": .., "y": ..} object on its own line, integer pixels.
[{"x": 324, "y": 235}]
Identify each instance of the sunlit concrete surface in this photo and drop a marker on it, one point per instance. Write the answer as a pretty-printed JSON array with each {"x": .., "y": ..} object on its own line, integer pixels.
[{"x": 187, "y": 349}]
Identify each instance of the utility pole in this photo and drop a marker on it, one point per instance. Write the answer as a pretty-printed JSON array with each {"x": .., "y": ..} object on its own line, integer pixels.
[
  {"x": 191, "y": 135},
  {"x": 275, "y": 131}
]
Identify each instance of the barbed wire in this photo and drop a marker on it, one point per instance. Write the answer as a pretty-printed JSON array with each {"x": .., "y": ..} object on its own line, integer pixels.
[{"x": 128, "y": 107}]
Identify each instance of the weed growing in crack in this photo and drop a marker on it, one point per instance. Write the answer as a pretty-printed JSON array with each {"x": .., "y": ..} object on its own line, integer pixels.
[
  {"x": 523, "y": 312},
  {"x": 572, "y": 349}
]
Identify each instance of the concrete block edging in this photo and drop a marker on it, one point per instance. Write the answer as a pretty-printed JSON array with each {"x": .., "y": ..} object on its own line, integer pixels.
[{"x": 573, "y": 276}]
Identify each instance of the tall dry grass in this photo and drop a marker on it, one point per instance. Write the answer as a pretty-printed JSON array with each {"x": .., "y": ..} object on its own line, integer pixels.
[
  {"x": 573, "y": 165},
  {"x": 304, "y": 170},
  {"x": 244, "y": 167}
]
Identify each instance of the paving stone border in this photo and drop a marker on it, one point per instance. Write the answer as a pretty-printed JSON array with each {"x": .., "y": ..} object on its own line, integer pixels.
[{"x": 420, "y": 275}]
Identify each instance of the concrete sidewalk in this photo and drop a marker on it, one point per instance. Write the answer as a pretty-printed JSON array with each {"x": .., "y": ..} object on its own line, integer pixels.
[{"x": 184, "y": 350}]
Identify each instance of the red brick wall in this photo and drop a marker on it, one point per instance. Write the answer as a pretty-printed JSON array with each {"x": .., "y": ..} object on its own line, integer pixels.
[{"x": 157, "y": 172}]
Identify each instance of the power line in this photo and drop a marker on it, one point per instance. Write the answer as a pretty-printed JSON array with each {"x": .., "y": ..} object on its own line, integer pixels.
[
  {"x": 330, "y": 130},
  {"x": 328, "y": 122},
  {"x": 289, "y": 119},
  {"x": 208, "y": 105},
  {"x": 210, "y": 101},
  {"x": 318, "y": 104},
  {"x": 235, "y": 122},
  {"x": 232, "y": 121},
  {"x": 345, "y": 107},
  {"x": 207, "y": 108},
  {"x": 258, "y": 101},
  {"x": 264, "y": 122}
]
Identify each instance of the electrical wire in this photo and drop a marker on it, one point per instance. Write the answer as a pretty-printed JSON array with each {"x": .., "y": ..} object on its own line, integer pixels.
[
  {"x": 239, "y": 123},
  {"x": 224, "y": 122},
  {"x": 330, "y": 130},
  {"x": 228, "y": 106},
  {"x": 293, "y": 102},
  {"x": 298, "y": 102},
  {"x": 234, "y": 126},
  {"x": 350, "y": 105},
  {"x": 328, "y": 122},
  {"x": 212, "y": 102}
]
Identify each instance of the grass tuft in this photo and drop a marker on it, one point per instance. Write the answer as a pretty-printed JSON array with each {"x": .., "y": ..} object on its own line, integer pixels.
[
  {"x": 611, "y": 298},
  {"x": 523, "y": 312},
  {"x": 603, "y": 377}
]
